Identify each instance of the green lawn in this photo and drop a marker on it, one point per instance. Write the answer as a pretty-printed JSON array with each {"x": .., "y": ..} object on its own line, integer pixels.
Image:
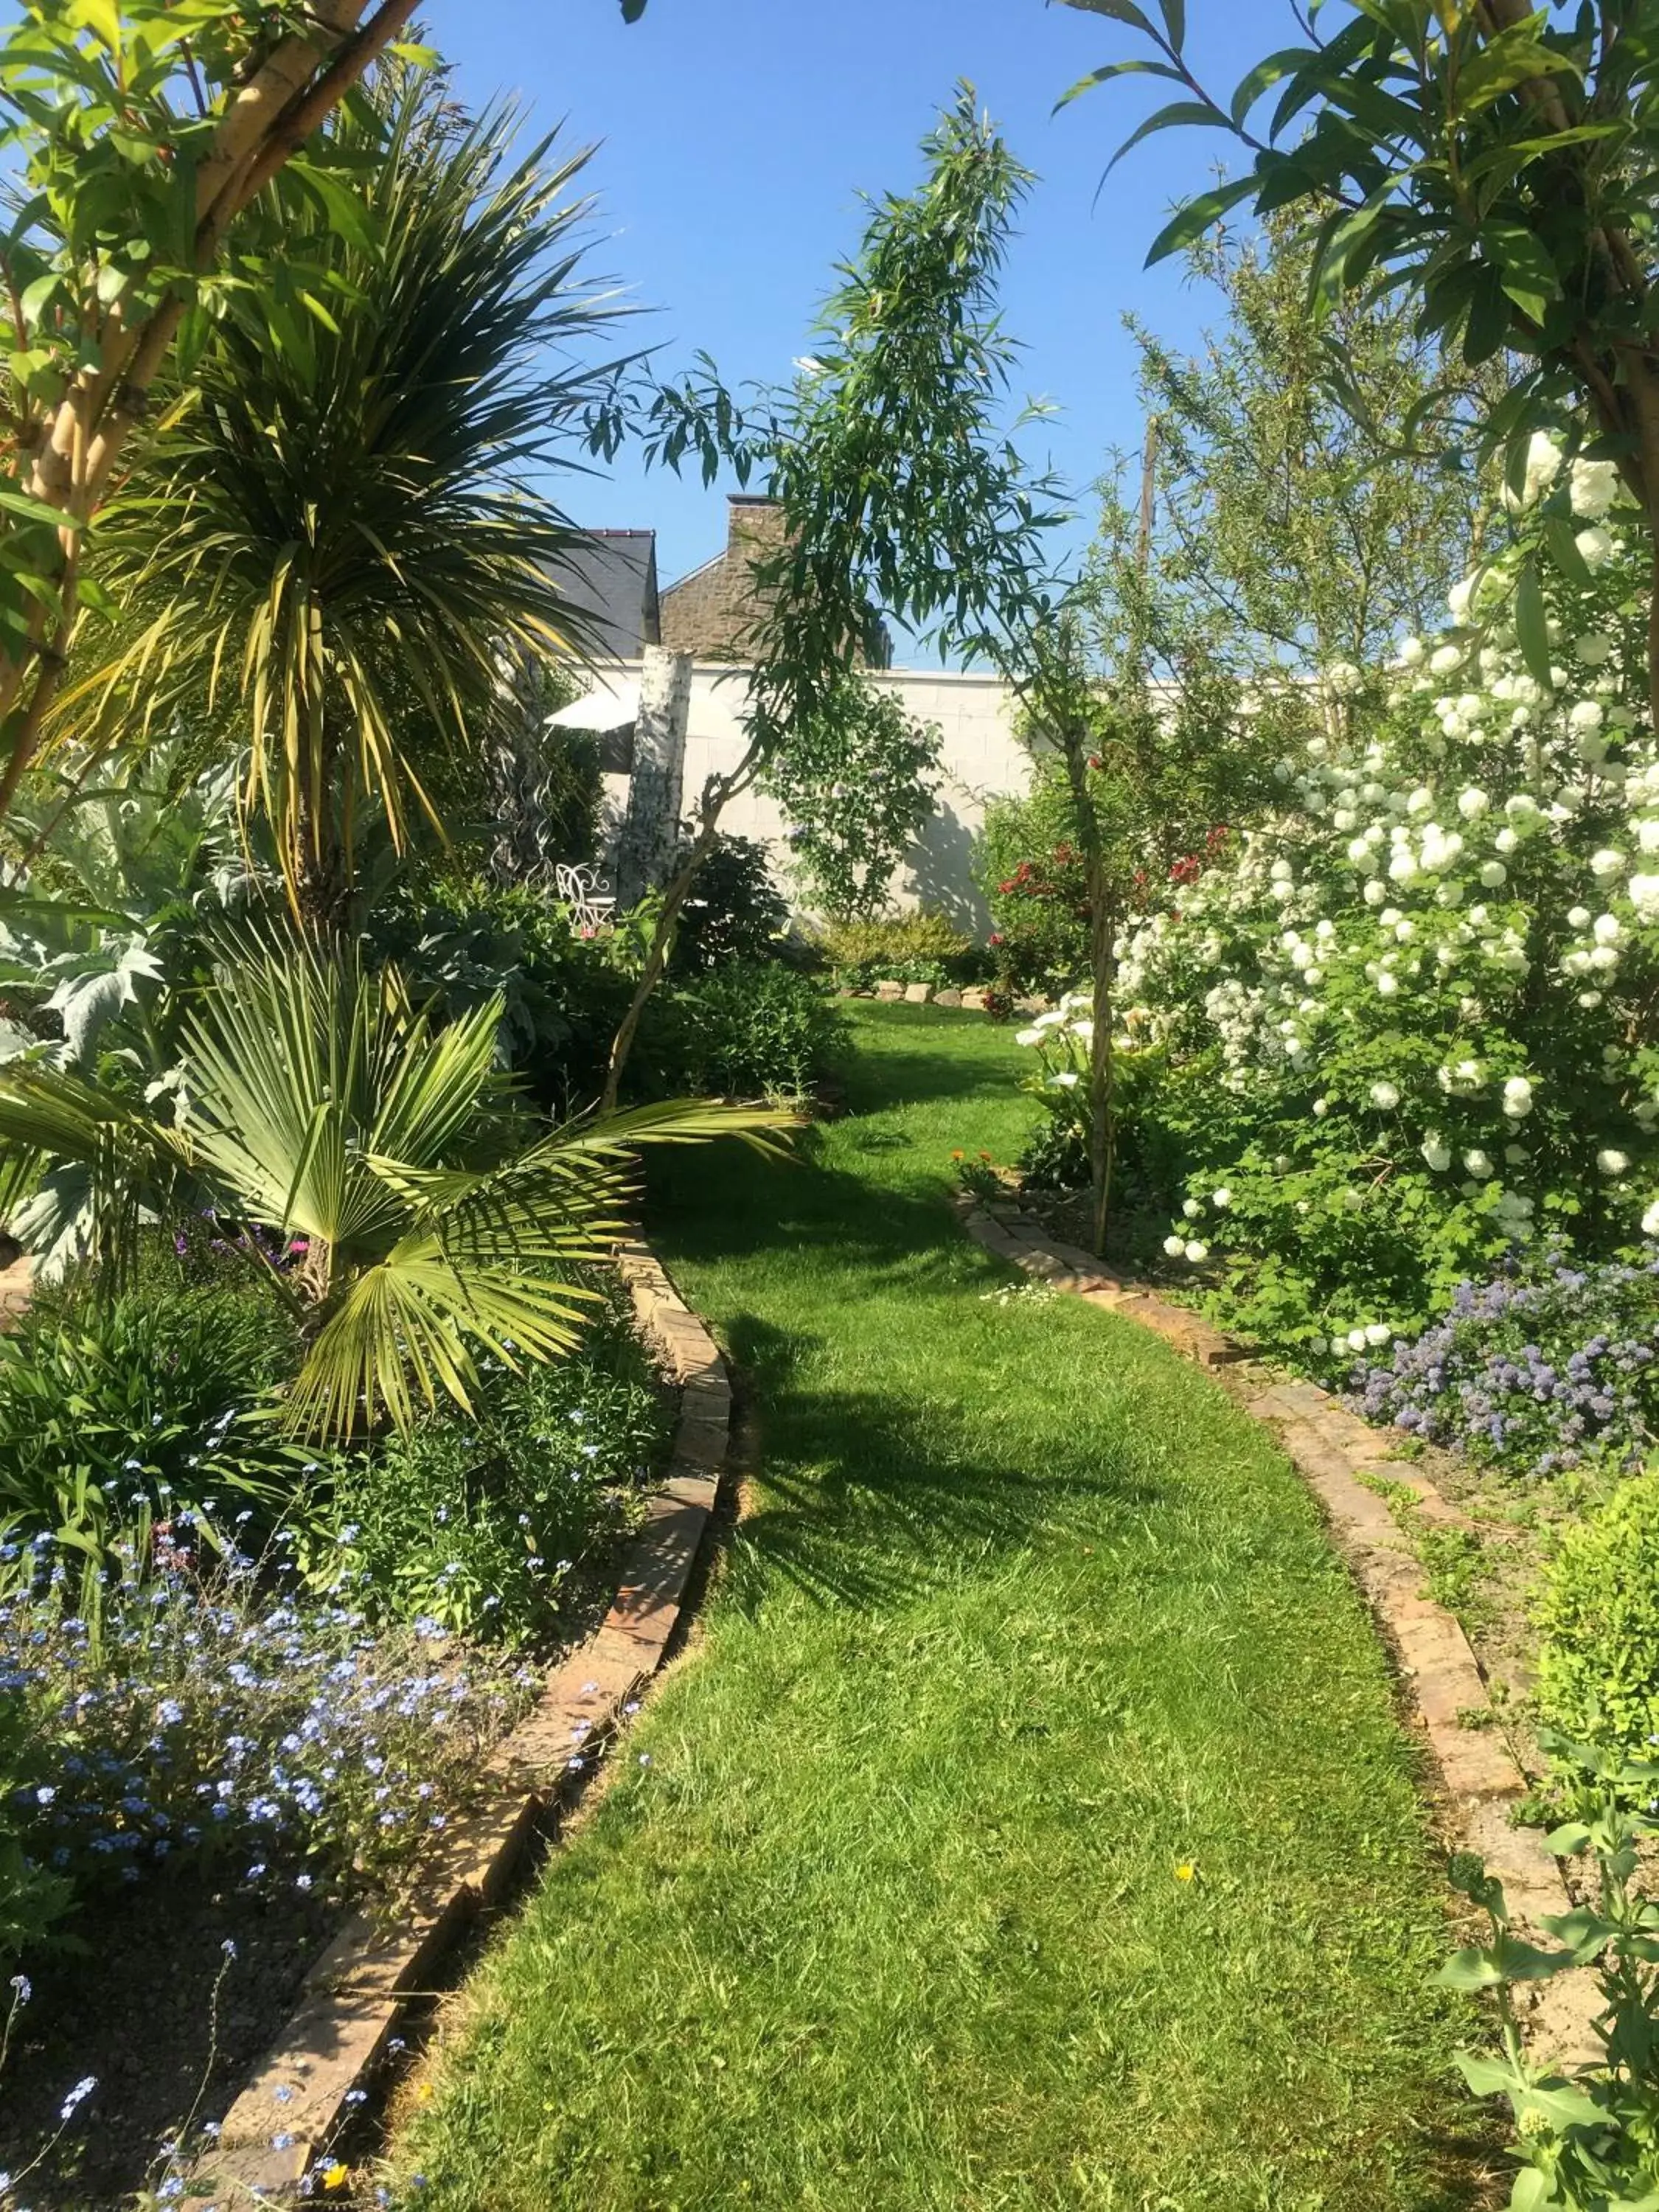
[{"x": 1024, "y": 1617}]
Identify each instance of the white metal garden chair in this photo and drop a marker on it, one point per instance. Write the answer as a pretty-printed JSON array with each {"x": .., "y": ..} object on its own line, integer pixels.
[{"x": 583, "y": 890}]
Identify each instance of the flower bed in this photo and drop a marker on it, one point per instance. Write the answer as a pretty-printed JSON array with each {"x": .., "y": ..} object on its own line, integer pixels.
[{"x": 227, "y": 1750}]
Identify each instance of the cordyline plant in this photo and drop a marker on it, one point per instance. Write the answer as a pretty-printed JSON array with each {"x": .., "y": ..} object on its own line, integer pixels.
[
  {"x": 140, "y": 129},
  {"x": 1494, "y": 158},
  {"x": 341, "y": 538},
  {"x": 899, "y": 494}
]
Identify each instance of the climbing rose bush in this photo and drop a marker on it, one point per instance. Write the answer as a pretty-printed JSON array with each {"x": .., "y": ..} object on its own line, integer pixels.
[{"x": 1428, "y": 982}]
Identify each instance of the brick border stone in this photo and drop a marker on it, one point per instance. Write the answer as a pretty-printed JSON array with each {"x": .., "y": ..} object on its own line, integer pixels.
[
  {"x": 1337, "y": 1455},
  {"x": 366, "y": 1983}
]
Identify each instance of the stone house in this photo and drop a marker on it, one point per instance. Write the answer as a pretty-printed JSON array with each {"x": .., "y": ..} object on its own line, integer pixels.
[{"x": 667, "y": 713}]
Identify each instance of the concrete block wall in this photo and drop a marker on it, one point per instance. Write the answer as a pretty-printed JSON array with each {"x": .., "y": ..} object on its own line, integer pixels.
[{"x": 981, "y": 758}]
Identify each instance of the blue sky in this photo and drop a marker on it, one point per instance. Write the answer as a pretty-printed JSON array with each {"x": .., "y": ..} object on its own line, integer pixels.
[{"x": 734, "y": 136}]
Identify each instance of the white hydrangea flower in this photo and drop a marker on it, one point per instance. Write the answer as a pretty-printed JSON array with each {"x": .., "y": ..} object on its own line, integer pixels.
[
  {"x": 1198, "y": 1252},
  {"x": 1650, "y": 1221},
  {"x": 1517, "y": 1097},
  {"x": 1644, "y": 895},
  {"x": 1493, "y": 874},
  {"x": 1594, "y": 486},
  {"x": 1544, "y": 459},
  {"x": 1610, "y": 1161},
  {"x": 1175, "y": 1246},
  {"x": 1445, "y": 659},
  {"x": 1385, "y": 1096},
  {"x": 1593, "y": 649},
  {"x": 1321, "y": 1107},
  {"x": 1191, "y": 1208},
  {"x": 1221, "y": 1199},
  {"x": 1605, "y": 863},
  {"x": 1595, "y": 546},
  {"x": 1377, "y": 1333},
  {"x": 1413, "y": 652},
  {"x": 1478, "y": 1163},
  {"x": 1473, "y": 803},
  {"x": 1437, "y": 1152}
]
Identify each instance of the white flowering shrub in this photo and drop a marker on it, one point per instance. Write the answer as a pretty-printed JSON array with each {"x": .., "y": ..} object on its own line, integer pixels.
[{"x": 1428, "y": 983}]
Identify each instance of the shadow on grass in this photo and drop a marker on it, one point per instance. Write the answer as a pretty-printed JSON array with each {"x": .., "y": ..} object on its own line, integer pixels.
[
  {"x": 870, "y": 1499},
  {"x": 868, "y": 1085}
]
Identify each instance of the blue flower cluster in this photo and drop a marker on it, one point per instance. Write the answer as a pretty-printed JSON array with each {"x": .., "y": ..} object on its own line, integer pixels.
[
  {"x": 1554, "y": 1368},
  {"x": 208, "y": 1720}
]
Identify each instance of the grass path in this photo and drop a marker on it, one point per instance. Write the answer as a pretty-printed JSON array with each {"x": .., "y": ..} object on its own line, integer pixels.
[{"x": 1024, "y": 1619}]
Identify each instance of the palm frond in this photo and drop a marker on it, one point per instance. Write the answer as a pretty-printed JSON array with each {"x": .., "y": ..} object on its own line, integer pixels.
[{"x": 321, "y": 1102}]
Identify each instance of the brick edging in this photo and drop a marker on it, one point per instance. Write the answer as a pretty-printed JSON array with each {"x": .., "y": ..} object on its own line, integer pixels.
[
  {"x": 358, "y": 1992},
  {"x": 1333, "y": 1449}
]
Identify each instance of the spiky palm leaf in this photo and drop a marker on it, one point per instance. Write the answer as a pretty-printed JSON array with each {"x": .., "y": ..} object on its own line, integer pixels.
[
  {"x": 322, "y": 1106},
  {"x": 345, "y": 524}
]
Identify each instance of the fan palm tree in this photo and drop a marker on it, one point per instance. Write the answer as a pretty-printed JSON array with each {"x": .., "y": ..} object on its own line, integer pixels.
[
  {"x": 321, "y": 1105},
  {"x": 341, "y": 530}
]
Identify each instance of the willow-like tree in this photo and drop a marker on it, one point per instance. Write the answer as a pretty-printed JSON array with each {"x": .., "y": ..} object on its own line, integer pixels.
[
  {"x": 1495, "y": 161},
  {"x": 1313, "y": 488},
  {"x": 888, "y": 457}
]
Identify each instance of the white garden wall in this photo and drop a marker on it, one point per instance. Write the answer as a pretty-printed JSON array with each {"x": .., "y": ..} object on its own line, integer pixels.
[{"x": 980, "y": 757}]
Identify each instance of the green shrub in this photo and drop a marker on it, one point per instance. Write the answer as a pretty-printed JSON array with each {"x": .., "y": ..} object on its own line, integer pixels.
[
  {"x": 1598, "y": 1614},
  {"x": 31, "y": 1898},
  {"x": 479, "y": 1522},
  {"x": 117, "y": 1417},
  {"x": 906, "y": 948},
  {"x": 736, "y": 911},
  {"x": 1587, "y": 2137},
  {"x": 750, "y": 1029},
  {"x": 459, "y": 943}
]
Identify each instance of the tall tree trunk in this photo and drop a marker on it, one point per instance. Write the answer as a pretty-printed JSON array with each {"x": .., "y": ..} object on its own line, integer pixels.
[
  {"x": 1103, "y": 1058},
  {"x": 674, "y": 898},
  {"x": 1075, "y": 743}
]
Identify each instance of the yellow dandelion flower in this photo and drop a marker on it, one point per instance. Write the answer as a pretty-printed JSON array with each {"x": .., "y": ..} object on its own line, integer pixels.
[
  {"x": 1187, "y": 1870},
  {"x": 337, "y": 2176}
]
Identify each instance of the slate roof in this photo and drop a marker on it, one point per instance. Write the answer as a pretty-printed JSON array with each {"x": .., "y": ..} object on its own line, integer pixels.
[{"x": 612, "y": 576}]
